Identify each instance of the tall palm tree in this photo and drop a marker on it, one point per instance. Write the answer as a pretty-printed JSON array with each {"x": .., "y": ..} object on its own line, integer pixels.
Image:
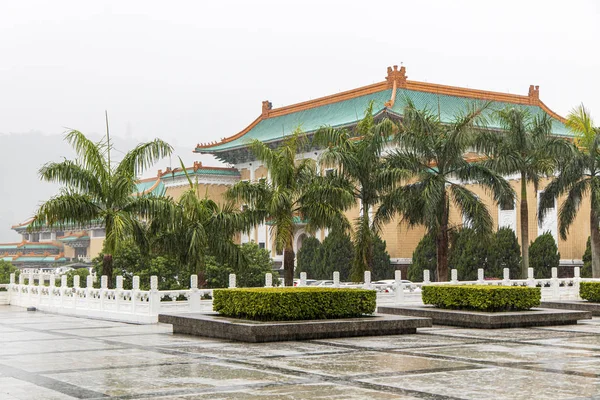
[
  {"x": 357, "y": 155},
  {"x": 525, "y": 147},
  {"x": 294, "y": 191},
  {"x": 97, "y": 191},
  {"x": 433, "y": 154},
  {"x": 578, "y": 177},
  {"x": 197, "y": 227}
]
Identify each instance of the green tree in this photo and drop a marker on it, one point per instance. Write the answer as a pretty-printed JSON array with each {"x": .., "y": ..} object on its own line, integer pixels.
[
  {"x": 579, "y": 179},
  {"x": 424, "y": 258},
  {"x": 310, "y": 259},
  {"x": 586, "y": 270},
  {"x": 294, "y": 191},
  {"x": 525, "y": 146},
  {"x": 337, "y": 255},
  {"x": 504, "y": 252},
  {"x": 432, "y": 151},
  {"x": 382, "y": 267},
  {"x": 544, "y": 255},
  {"x": 251, "y": 274},
  {"x": 360, "y": 163},
  {"x": 468, "y": 253},
  {"x": 6, "y": 269},
  {"x": 96, "y": 190}
]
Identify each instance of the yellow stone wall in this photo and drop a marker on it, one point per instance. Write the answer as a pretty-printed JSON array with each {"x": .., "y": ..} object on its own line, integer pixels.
[
  {"x": 95, "y": 247},
  {"x": 213, "y": 191}
]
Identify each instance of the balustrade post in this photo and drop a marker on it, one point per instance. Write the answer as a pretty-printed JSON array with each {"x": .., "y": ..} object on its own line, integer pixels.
[
  {"x": 76, "y": 285},
  {"x": 30, "y": 300},
  {"x": 194, "y": 294},
  {"x": 89, "y": 285},
  {"x": 63, "y": 289},
  {"x": 398, "y": 286},
  {"x": 480, "y": 276},
  {"x": 135, "y": 288},
  {"x": 268, "y": 280},
  {"x": 576, "y": 282},
  {"x": 103, "y": 289},
  {"x": 367, "y": 277},
  {"x": 426, "y": 277},
  {"x": 530, "y": 277},
  {"x": 506, "y": 280},
  {"x": 11, "y": 285},
  {"x": 76, "y": 282},
  {"x": 302, "y": 279},
  {"x": 453, "y": 275},
  {"x": 118, "y": 292},
  {"x": 336, "y": 279},
  {"x": 554, "y": 284},
  {"x": 154, "y": 296},
  {"x": 231, "y": 281},
  {"x": 41, "y": 280},
  {"x": 51, "y": 287}
]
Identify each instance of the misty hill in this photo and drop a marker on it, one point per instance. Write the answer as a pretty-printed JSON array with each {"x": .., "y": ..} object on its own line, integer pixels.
[{"x": 23, "y": 154}]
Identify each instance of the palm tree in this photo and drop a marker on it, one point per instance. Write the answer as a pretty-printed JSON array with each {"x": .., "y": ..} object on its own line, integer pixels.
[
  {"x": 433, "y": 154},
  {"x": 294, "y": 191},
  {"x": 96, "y": 191},
  {"x": 357, "y": 155},
  {"x": 197, "y": 227},
  {"x": 525, "y": 147},
  {"x": 579, "y": 177}
]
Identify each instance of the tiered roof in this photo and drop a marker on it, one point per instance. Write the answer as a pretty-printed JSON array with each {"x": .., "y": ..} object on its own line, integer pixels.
[{"x": 388, "y": 97}]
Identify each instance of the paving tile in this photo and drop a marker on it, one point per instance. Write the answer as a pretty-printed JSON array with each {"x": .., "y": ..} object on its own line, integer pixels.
[
  {"x": 54, "y": 345},
  {"x": 360, "y": 363},
  {"x": 12, "y": 389},
  {"x": 509, "y": 334},
  {"x": 496, "y": 383},
  {"x": 397, "y": 341},
  {"x": 161, "y": 378},
  {"x": 584, "y": 342}
]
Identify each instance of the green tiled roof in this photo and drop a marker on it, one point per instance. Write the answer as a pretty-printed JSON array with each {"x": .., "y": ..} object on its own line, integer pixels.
[
  {"x": 74, "y": 238},
  {"x": 348, "y": 112},
  {"x": 30, "y": 246},
  {"x": 159, "y": 190},
  {"x": 36, "y": 259},
  {"x": 203, "y": 171},
  {"x": 336, "y": 114},
  {"x": 450, "y": 106}
]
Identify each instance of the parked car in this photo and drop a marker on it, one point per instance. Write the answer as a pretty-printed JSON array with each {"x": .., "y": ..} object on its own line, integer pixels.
[
  {"x": 386, "y": 284},
  {"x": 322, "y": 283},
  {"x": 309, "y": 282}
]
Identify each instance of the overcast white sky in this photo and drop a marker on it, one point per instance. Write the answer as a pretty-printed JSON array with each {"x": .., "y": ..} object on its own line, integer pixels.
[
  {"x": 195, "y": 71},
  {"x": 192, "y": 71}
]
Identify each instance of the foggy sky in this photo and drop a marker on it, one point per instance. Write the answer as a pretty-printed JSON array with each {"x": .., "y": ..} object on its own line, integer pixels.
[{"x": 196, "y": 71}]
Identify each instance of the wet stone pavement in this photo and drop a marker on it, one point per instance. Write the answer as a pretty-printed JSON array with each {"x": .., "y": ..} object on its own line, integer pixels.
[{"x": 45, "y": 356}]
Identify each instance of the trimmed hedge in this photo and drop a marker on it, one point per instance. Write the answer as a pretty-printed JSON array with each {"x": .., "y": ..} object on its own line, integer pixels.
[
  {"x": 590, "y": 291},
  {"x": 482, "y": 297},
  {"x": 290, "y": 304}
]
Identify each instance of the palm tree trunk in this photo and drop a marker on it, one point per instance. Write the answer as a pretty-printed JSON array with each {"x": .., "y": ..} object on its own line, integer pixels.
[
  {"x": 524, "y": 213},
  {"x": 288, "y": 266},
  {"x": 107, "y": 268},
  {"x": 595, "y": 241},
  {"x": 442, "y": 245}
]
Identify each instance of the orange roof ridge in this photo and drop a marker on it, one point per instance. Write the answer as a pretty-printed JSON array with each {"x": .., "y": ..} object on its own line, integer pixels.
[
  {"x": 22, "y": 223},
  {"x": 396, "y": 78}
]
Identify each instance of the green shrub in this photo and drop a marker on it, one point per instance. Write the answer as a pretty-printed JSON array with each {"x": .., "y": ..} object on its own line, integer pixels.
[
  {"x": 251, "y": 275},
  {"x": 81, "y": 272},
  {"x": 382, "y": 266},
  {"x": 590, "y": 291},
  {"x": 309, "y": 259},
  {"x": 481, "y": 297},
  {"x": 337, "y": 254},
  {"x": 468, "y": 253},
  {"x": 424, "y": 258},
  {"x": 289, "y": 304},
  {"x": 586, "y": 270},
  {"x": 6, "y": 269},
  {"x": 543, "y": 256}
]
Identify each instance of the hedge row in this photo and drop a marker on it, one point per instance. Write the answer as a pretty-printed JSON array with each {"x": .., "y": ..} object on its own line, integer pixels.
[
  {"x": 590, "y": 291},
  {"x": 481, "y": 297},
  {"x": 290, "y": 304}
]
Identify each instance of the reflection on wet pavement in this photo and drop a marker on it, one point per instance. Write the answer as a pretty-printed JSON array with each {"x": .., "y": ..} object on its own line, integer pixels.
[{"x": 45, "y": 356}]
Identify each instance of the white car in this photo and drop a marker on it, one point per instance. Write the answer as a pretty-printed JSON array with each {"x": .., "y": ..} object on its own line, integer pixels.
[{"x": 386, "y": 284}]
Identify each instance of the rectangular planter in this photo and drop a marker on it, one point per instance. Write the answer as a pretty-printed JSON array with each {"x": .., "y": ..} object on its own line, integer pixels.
[
  {"x": 581, "y": 305},
  {"x": 213, "y": 325},
  {"x": 491, "y": 320}
]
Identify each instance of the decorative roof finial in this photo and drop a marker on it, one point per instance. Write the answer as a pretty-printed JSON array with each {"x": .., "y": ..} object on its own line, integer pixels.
[
  {"x": 395, "y": 75},
  {"x": 534, "y": 94},
  {"x": 266, "y": 107}
]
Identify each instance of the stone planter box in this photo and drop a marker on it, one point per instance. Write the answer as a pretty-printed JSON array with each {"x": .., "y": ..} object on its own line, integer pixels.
[
  {"x": 579, "y": 305},
  {"x": 491, "y": 320},
  {"x": 212, "y": 325}
]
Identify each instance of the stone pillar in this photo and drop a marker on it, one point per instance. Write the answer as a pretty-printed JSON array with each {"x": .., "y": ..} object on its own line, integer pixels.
[
  {"x": 268, "y": 280},
  {"x": 302, "y": 279},
  {"x": 76, "y": 282},
  {"x": 154, "y": 298},
  {"x": 398, "y": 286},
  {"x": 426, "y": 278},
  {"x": 103, "y": 289},
  {"x": 555, "y": 285},
  {"x": 194, "y": 294},
  {"x": 232, "y": 281},
  {"x": 336, "y": 279},
  {"x": 506, "y": 280},
  {"x": 530, "y": 277},
  {"x": 576, "y": 282},
  {"x": 135, "y": 288},
  {"x": 453, "y": 275},
  {"x": 480, "y": 276},
  {"x": 367, "y": 284}
]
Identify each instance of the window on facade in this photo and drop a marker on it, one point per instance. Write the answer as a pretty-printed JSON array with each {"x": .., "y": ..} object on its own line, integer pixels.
[
  {"x": 45, "y": 236},
  {"x": 261, "y": 245},
  {"x": 60, "y": 233},
  {"x": 99, "y": 233},
  {"x": 329, "y": 172}
]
